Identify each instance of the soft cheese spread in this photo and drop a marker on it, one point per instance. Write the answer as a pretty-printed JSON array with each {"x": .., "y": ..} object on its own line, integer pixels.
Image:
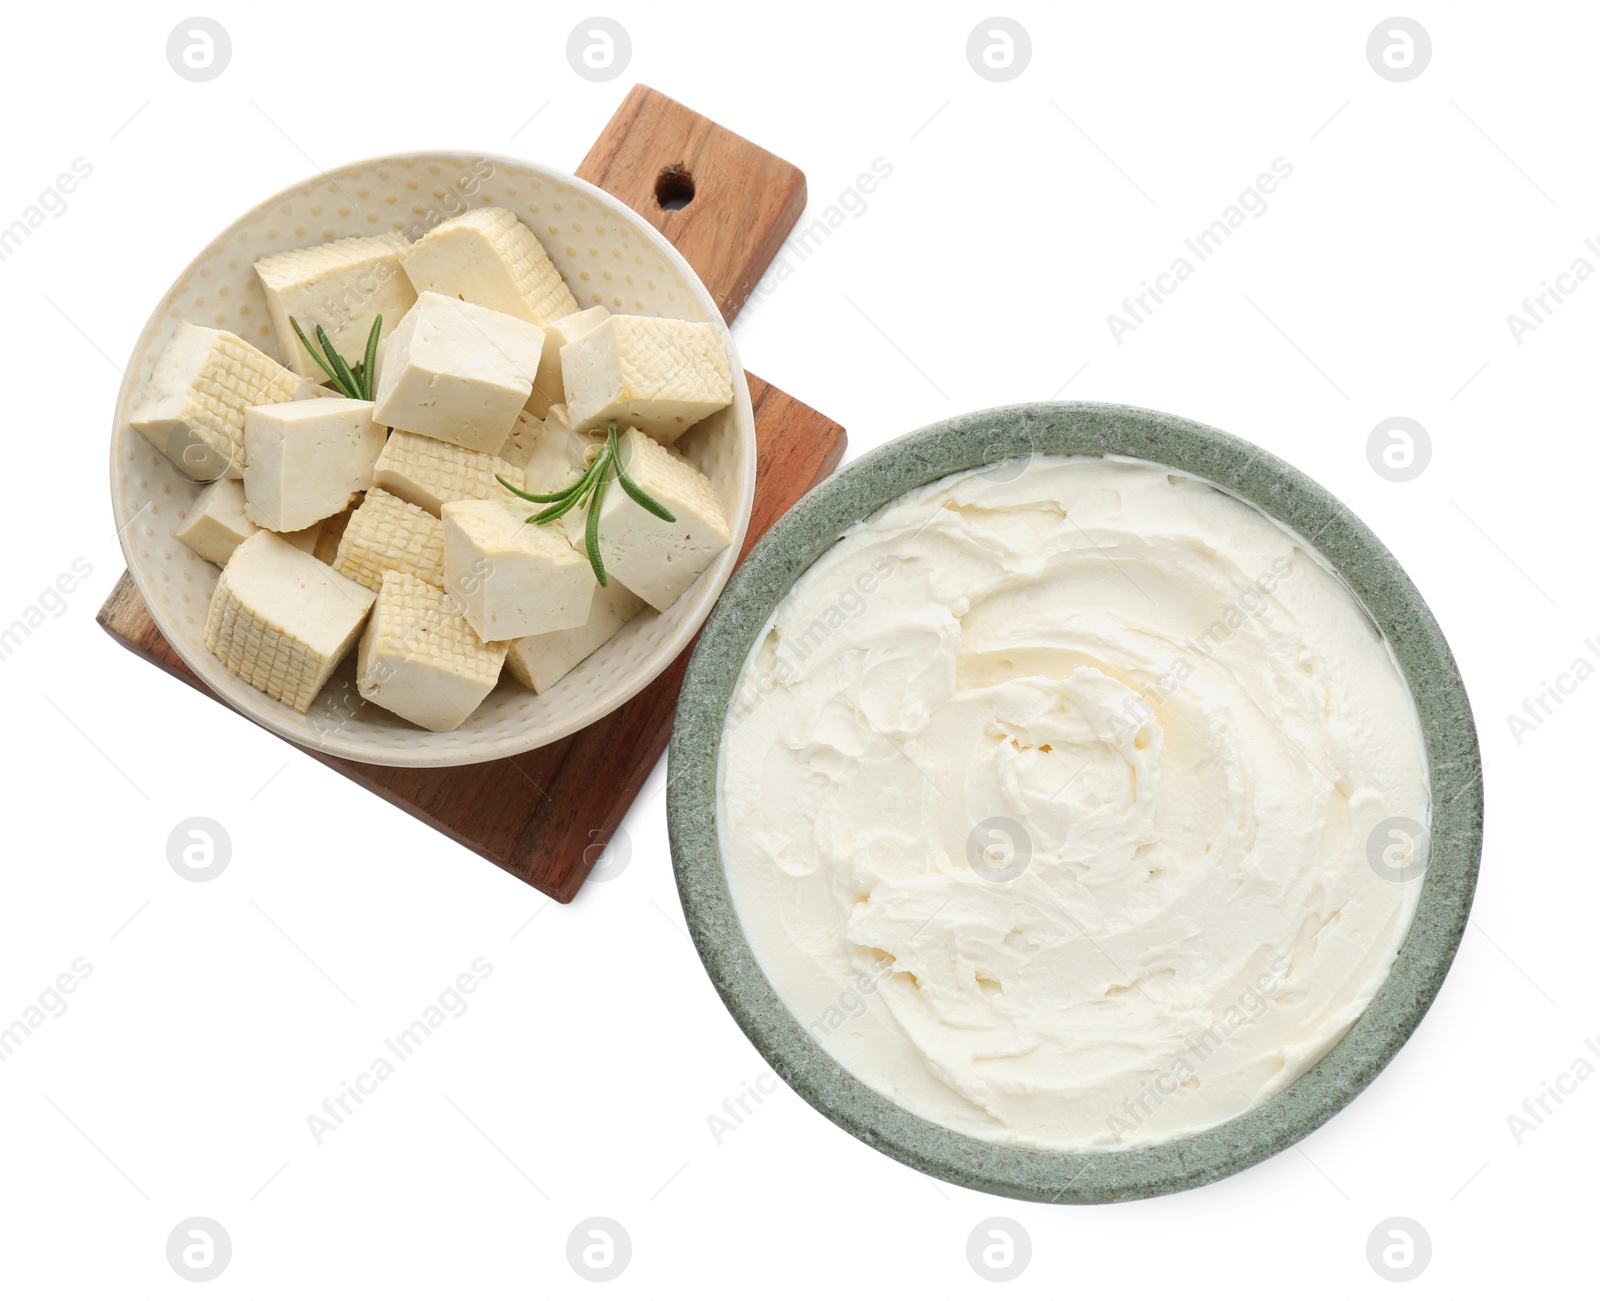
[{"x": 1059, "y": 801}]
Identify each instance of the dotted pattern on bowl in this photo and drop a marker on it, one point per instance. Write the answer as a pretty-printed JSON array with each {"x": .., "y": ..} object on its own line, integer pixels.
[{"x": 606, "y": 254}]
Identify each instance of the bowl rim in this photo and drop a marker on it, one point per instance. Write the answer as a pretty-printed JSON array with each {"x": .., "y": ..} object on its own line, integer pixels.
[
  {"x": 239, "y": 696},
  {"x": 1286, "y": 494}
]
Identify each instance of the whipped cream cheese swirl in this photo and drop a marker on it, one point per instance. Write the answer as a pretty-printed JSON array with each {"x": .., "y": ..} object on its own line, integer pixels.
[{"x": 1046, "y": 795}]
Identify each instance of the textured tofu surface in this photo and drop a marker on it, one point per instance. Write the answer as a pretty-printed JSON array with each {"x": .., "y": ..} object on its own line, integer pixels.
[
  {"x": 304, "y": 461},
  {"x": 458, "y": 372},
  {"x": 511, "y": 578},
  {"x": 386, "y": 533},
  {"x": 547, "y": 385},
  {"x": 540, "y": 662},
  {"x": 488, "y": 256},
  {"x": 429, "y": 473},
  {"x": 340, "y": 286},
  {"x": 654, "y": 558},
  {"x": 281, "y": 620},
  {"x": 420, "y": 659},
  {"x": 193, "y": 407},
  {"x": 654, "y": 373},
  {"x": 217, "y": 522}
]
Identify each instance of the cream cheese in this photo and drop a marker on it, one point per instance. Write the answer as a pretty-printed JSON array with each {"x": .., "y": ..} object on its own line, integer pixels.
[{"x": 1045, "y": 799}]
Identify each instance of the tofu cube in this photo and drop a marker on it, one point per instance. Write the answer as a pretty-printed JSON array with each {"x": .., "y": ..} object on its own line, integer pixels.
[
  {"x": 331, "y": 532},
  {"x": 420, "y": 659},
  {"x": 340, "y": 286},
  {"x": 547, "y": 385},
  {"x": 656, "y": 374},
  {"x": 282, "y": 620},
  {"x": 654, "y": 558},
  {"x": 540, "y": 662},
  {"x": 304, "y": 461},
  {"x": 550, "y": 455},
  {"x": 429, "y": 473},
  {"x": 511, "y": 578},
  {"x": 458, "y": 372},
  {"x": 216, "y": 523},
  {"x": 386, "y": 533},
  {"x": 487, "y": 256},
  {"x": 192, "y": 408},
  {"x": 306, "y": 539}
]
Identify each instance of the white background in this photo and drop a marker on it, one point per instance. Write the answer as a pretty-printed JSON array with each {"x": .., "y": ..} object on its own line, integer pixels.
[{"x": 579, "y": 1081}]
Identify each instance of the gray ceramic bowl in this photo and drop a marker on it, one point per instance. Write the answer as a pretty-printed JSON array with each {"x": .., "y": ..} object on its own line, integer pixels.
[{"x": 812, "y": 526}]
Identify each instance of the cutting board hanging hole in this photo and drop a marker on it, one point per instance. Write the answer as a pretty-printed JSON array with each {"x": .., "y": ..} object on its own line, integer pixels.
[{"x": 674, "y": 187}]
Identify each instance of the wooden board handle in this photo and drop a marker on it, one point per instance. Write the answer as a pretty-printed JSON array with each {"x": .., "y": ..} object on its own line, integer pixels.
[{"x": 738, "y": 202}]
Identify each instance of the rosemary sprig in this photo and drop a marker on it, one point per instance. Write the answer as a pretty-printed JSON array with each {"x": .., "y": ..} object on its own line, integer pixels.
[
  {"x": 353, "y": 381},
  {"x": 591, "y": 525},
  {"x": 588, "y": 492}
]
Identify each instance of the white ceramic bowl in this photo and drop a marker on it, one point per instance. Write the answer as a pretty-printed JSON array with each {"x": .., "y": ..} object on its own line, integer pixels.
[{"x": 607, "y": 254}]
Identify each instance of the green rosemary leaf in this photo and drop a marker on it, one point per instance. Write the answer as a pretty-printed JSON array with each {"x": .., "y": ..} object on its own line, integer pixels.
[
  {"x": 539, "y": 496},
  {"x": 550, "y": 513},
  {"x": 593, "y": 477},
  {"x": 312, "y": 349},
  {"x": 573, "y": 496},
  {"x": 633, "y": 489},
  {"x": 344, "y": 379},
  {"x": 369, "y": 364},
  {"x": 591, "y": 529},
  {"x": 588, "y": 493}
]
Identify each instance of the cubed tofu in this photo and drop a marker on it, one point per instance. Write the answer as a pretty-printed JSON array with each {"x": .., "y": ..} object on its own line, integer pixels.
[
  {"x": 420, "y": 659},
  {"x": 217, "y": 523},
  {"x": 304, "y": 461},
  {"x": 656, "y": 559},
  {"x": 458, "y": 372},
  {"x": 192, "y": 408},
  {"x": 282, "y": 620},
  {"x": 654, "y": 373},
  {"x": 550, "y": 455},
  {"x": 540, "y": 662},
  {"x": 307, "y": 539},
  {"x": 547, "y": 385},
  {"x": 511, "y": 578},
  {"x": 428, "y": 473},
  {"x": 331, "y": 532},
  {"x": 340, "y": 286},
  {"x": 487, "y": 256},
  {"x": 386, "y": 533}
]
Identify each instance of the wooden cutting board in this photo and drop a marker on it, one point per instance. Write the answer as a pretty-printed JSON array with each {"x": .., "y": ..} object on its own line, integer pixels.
[{"x": 546, "y": 816}]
